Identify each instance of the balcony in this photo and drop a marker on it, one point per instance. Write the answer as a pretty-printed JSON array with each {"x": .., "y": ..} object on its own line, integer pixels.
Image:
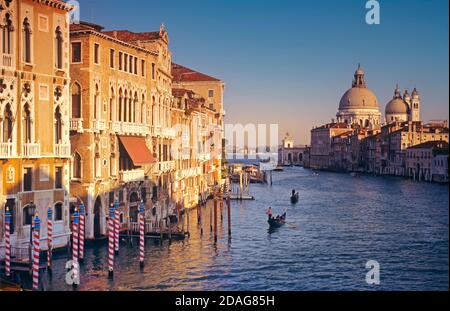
[
  {"x": 128, "y": 128},
  {"x": 129, "y": 176},
  {"x": 31, "y": 150},
  {"x": 98, "y": 125},
  {"x": 62, "y": 150},
  {"x": 6, "y": 150},
  {"x": 7, "y": 60},
  {"x": 168, "y": 132},
  {"x": 167, "y": 166},
  {"x": 76, "y": 125}
]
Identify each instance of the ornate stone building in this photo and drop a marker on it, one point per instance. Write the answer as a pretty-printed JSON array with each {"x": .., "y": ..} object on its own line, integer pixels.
[
  {"x": 212, "y": 90},
  {"x": 112, "y": 126},
  {"x": 289, "y": 154},
  {"x": 403, "y": 108},
  {"x": 34, "y": 118}
]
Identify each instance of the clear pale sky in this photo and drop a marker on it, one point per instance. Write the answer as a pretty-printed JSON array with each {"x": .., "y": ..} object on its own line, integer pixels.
[{"x": 289, "y": 62}]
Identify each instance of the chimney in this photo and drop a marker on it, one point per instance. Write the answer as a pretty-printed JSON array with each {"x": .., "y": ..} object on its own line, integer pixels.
[{"x": 115, "y": 34}]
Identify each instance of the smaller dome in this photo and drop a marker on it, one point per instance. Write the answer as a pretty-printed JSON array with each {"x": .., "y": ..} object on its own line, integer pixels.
[{"x": 397, "y": 106}]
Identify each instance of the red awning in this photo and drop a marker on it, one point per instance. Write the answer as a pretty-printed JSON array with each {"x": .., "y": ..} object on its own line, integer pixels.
[{"x": 137, "y": 150}]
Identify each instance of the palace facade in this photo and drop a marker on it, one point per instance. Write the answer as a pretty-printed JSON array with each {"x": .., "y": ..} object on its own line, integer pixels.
[{"x": 34, "y": 119}]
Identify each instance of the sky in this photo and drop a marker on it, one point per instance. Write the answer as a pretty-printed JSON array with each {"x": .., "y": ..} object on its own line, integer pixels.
[{"x": 289, "y": 62}]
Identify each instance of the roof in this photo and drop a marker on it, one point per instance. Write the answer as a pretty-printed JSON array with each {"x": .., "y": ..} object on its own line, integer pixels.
[
  {"x": 184, "y": 74},
  {"x": 334, "y": 126},
  {"x": 438, "y": 145},
  {"x": 137, "y": 150},
  {"x": 133, "y": 37},
  {"x": 85, "y": 26}
]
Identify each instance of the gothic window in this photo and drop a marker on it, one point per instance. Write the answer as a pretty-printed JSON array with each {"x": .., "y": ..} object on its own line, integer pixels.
[
  {"x": 120, "y": 105},
  {"x": 7, "y": 35},
  {"x": 7, "y": 124},
  {"x": 27, "y": 124},
  {"x": 143, "y": 121},
  {"x": 111, "y": 106},
  {"x": 27, "y": 41},
  {"x": 58, "y": 126},
  {"x": 76, "y": 173},
  {"x": 125, "y": 107},
  {"x": 59, "y": 48},
  {"x": 97, "y": 108},
  {"x": 76, "y": 101},
  {"x": 135, "y": 107}
]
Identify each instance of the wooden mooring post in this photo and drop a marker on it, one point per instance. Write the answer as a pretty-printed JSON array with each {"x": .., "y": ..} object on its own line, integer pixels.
[
  {"x": 215, "y": 217},
  {"x": 229, "y": 214}
]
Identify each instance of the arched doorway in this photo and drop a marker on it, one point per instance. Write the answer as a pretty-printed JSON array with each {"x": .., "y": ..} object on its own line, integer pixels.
[{"x": 97, "y": 215}]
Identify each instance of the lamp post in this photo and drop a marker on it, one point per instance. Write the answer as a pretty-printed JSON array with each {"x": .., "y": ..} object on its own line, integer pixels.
[{"x": 30, "y": 213}]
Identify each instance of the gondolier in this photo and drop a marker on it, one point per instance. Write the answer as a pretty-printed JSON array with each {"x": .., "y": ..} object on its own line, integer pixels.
[{"x": 269, "y": 213}]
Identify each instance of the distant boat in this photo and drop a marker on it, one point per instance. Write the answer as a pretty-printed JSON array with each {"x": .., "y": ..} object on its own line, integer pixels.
[
  {"x": 354, "y": 174},
  {"x": 279, "y": 168},
  {"x": 277, "y": 222}
]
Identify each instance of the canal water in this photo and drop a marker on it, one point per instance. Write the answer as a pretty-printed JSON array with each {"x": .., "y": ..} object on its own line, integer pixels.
[{"x": 340, "y": 223}]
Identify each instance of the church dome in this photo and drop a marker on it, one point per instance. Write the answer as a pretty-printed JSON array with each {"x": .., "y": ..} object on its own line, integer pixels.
[
  {"x": 397, "y": 106},
  {"x": 359, "y": 98}
]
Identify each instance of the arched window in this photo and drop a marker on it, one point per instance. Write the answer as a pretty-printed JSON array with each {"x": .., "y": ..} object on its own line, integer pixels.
[
  {"x": 7, "y": 124},
  {"x": 26, "y": 41},
  {"x": 76, "y": 101},
  {"x": 59, "y": 48},
  {"x": 120, "y": 105},
  {"x": 76, "y": 173},
  {"x": 135, "y": 107},
  {"x": 143, "y": 114},
  {"x": 27, "y": 124},
  {"x": 125, "y": 107},
  {"x": 58, "y": 126},
  {"x": 7, "y": 35},
  {"x": 153, "y": 111},
  {"x": 112, "y": 109},
  {"x": 97, "y": 108}
]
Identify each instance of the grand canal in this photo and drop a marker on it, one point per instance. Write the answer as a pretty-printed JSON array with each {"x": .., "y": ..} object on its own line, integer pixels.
[{"x": 340, "y": 223}]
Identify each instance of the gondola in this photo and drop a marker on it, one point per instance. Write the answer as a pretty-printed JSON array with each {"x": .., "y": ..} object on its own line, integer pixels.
[
  {"x": 294, "y": 198},
  {"x": 277, "y": 223}
]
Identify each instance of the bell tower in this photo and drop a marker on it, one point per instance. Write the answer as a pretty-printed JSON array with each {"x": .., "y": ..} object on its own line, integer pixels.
[{"x": 415, "y": 106}]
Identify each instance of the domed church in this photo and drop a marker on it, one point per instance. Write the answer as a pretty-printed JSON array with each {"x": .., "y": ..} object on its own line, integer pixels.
[
  {"x": 359, "y": 105},
  {"x": 406, "y": 108}
]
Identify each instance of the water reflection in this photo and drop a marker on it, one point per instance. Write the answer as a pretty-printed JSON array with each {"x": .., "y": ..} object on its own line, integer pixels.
[{"x": 338, "y": 225}]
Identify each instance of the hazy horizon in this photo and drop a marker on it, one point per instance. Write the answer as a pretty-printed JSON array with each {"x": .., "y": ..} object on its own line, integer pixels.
[{"x": 289, "y": 62}]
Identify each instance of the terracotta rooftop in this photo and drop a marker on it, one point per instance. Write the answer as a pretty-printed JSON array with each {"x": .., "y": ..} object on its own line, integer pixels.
[
  {"x": 184, "y": 74},
  {"x": 133, "y": 37},
  {"x": 85, "y": 26}
]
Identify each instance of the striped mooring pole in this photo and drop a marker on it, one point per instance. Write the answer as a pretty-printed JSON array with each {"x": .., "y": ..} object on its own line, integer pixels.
[
  {"x": 49, "y": 238},
  {"x": 75, "y": 249},
  {"x": 81, "y": 232},
  {"x": 111, "y": 242},
  {"x": 8, "y": 242},
  {"x": 36, "y": 251},
  {"x": 141, "y": 235},
  {"x": 116, "y": 227}
]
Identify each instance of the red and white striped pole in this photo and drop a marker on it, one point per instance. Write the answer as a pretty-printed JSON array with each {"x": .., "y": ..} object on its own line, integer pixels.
[
  {"x": 49, "y": 238},
  {"x": 141, "y": 234},
  {"x": 116, "y": 228},
  {"x": 8, "y": 242},
  {"x": 111, "y": 242},
  {"x": 75, "y": 249},
  {"x": 36, "y": 251},
  {"x": 81, "y": 232}
]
